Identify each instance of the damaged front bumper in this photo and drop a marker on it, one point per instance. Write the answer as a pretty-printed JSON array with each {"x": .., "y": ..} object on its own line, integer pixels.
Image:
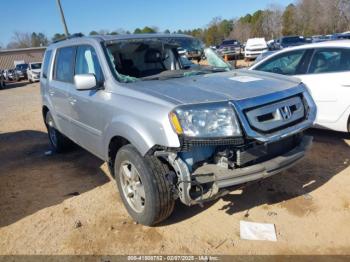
[{"x": 208, "y": 181}]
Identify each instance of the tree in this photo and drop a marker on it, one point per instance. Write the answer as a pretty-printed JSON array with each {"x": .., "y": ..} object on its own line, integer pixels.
[
  {"x": 272, "y": 22},
  {"x": 39, "y": 40},
  {"x": 20, "y": 40},
  {"x": 137, "y": 31},
  {"x": 57, "y": 37},
  {"x": 148, "y": 30},
  {"x": 225, "y": 27},
  {"x": 93, "y": 32},
  {"x": 289, "y": 20},
  {"x": 166, "y": 31}
]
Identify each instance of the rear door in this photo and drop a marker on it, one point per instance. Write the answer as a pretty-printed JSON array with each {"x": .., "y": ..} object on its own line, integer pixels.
[
  {"x": 328, "y": 78},
  {"x": 62, "y": 80}
]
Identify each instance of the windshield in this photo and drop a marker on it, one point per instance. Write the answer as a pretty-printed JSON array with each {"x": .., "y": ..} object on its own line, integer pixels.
[
  {"x": 293, "y": 40},
  {"x": 159, "y": 59},
  {"x": 36, "y": 66},
  {"x": 21, "y": 66}
]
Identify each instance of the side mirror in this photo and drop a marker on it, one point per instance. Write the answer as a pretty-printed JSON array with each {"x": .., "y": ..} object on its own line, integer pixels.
[{"x": 85, "y": 82}]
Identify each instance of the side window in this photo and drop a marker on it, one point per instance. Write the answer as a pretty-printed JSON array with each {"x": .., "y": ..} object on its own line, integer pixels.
[
  {"x": 87, "y": 62},
  {"x": 330, "y": 60},
  {"x": 64, "y": 63},
  {"x": 285, "y": 64},
  {"x": 47, "y": 60}
]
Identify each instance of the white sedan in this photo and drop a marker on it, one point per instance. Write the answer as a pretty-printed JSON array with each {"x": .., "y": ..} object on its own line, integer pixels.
[{"x": 325, "y": 69}]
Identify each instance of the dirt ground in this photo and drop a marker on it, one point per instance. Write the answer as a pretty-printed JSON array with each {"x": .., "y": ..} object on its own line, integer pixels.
[{"x": 68, "y": 203}]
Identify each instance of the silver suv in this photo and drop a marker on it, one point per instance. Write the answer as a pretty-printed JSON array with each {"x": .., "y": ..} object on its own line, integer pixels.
[{"x": 167, "y": 130}]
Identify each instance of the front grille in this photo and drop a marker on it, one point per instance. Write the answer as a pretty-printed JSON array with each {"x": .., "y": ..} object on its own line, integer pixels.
[
  {"x": 188, "y": 143},
  {"x": 259, "y": 153},
  {"x": 277, "y": 115}
]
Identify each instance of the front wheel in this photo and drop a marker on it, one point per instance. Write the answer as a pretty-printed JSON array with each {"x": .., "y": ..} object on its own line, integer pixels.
[{"x": 144, "y": 186}]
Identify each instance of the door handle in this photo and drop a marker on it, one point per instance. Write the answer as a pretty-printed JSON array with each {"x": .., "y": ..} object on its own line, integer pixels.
[{"x": 72, "y": 100}]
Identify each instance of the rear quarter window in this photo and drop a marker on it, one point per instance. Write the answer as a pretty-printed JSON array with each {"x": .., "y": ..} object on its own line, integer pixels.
[{"x": 47, "y": 60}]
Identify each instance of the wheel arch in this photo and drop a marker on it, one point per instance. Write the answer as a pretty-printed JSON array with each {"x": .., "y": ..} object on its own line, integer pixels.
[
  {"x": 116, "y": 143},
  {"x": 44, "y": 111}
]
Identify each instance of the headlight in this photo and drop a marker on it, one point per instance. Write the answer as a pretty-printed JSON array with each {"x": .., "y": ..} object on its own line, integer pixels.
[{"x": 205, "y": 120}]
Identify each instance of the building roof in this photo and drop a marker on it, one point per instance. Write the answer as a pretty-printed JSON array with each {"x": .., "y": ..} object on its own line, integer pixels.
[{"x": 28, "y": 55}]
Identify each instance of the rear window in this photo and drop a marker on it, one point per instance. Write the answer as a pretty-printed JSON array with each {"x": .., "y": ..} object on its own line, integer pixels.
[
  {"x": 64, "y": 64},
  {"x": 47, "y": 60}
]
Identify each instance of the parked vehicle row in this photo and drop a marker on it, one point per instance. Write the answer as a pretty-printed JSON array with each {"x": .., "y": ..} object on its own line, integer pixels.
[
  {"x": 33, "y": 71},
  {"x": 168, "y": 131},
  {"x": 230, "y": 48},
  {"x": 2, "y": 80},
  {"x": 254, "y": 47},
  {"x": 23, "y": 71}
]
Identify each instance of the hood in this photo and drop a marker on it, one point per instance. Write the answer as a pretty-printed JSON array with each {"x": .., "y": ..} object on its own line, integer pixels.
[
  {"x": 36, "y": 71},
  {"x": 256, "y": 46},
  {"x": 231, "y": 85}
]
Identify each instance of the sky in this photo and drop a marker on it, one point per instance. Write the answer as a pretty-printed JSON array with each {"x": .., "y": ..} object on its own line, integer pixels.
[{"x": 87, "y": 15}]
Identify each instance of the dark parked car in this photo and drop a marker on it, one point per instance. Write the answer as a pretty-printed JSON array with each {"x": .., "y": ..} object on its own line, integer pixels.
[
  {"x": 21, "y": 71},
  {"x": 230, "y": 48},
  {"x": 11, "y": 75},
  {"x": 288, "y": 41},
  {"x": 2, "y": 80},
  {"x": 340, "y": 36}
]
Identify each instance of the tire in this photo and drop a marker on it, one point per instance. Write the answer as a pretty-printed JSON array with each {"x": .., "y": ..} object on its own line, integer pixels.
[
  {"x": 58, "y": 141},
  {"x": 156, "y": 198}
]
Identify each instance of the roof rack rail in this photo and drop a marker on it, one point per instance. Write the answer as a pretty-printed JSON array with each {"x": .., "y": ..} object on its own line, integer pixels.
[{"x": 69, "y": 37}]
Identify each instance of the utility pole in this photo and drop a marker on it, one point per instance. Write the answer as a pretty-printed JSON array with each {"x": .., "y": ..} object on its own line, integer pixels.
[{"x": 62, "y": 18}]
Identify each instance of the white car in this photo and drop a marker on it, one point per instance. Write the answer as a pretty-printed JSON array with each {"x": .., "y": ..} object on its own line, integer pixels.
[
  {"x": 325, "y": 68},
  {"x": 254, "y": 47},
  {"x": 33, "y": 71}
]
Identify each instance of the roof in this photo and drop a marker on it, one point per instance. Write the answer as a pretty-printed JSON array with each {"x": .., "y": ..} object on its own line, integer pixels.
[
  {"x": 2, "y": 51},
  {"x": 112, "y": 38},
  {"x": 335, "y": 43},
  {"x": 139, "y": 36}
]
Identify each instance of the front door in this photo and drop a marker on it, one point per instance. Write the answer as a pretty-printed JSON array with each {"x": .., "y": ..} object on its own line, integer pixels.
[{"x": 87, "y": 106}]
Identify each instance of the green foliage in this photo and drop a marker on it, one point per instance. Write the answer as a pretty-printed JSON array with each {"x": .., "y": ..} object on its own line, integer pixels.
[
  {"x": 289, "y": 20},
  {"x": 138, "y": 31},
  {"x": 93, "y": 33},
  {"x": 39, "y": 39},
  {"x": 148, "y": 30},
  {"x": 57, "y": 37}
]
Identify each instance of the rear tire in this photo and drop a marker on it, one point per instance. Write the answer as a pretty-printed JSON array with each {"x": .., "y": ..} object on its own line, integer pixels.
[
  {"x": 58, "y": 141},
  {"x": 156, "y": 198}
]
